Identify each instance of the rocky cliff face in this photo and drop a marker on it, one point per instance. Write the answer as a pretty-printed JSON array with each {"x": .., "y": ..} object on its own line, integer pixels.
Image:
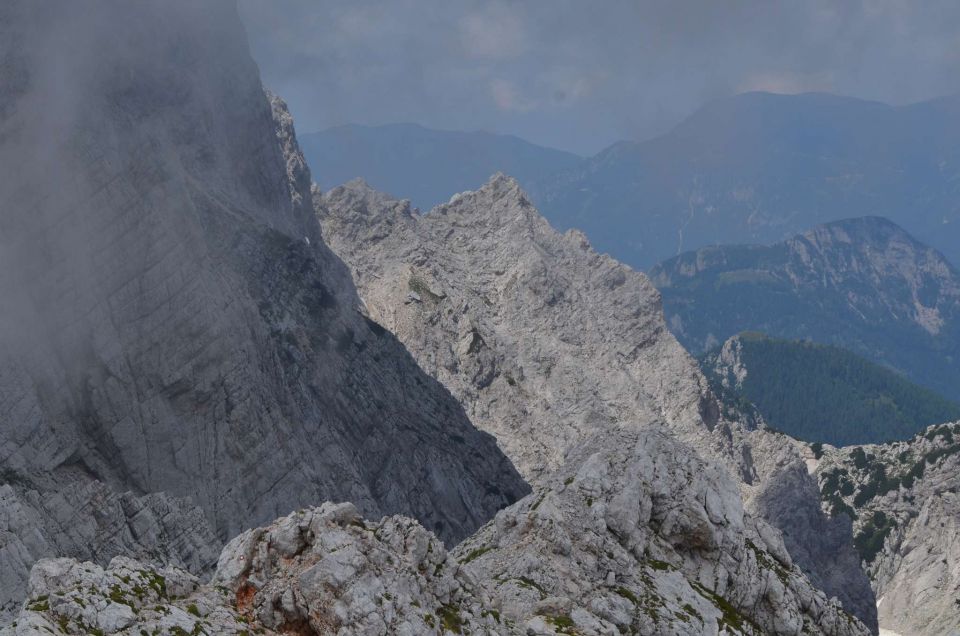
[
  {"x": 549, "y": 344},
  {"x": 862, "y": 284},
  {"x": 904, "y": 499},
  {"x": 639, "y": 535},
  {"x": 90, "y": 521},
  {"x": 173, "y": 321},
  {"x": 544, "y": 341},
  {"x": 635, "y": 535}
]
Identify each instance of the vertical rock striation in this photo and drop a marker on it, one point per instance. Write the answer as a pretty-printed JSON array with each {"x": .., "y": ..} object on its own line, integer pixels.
[{"x": 173, "y": 321}]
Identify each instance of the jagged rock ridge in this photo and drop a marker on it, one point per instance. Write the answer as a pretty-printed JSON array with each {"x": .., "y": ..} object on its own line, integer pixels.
[
  {"x": 549, "y": 344},
  {"x": 636, "y": 535},
  {"x": 173, "y": 320}
]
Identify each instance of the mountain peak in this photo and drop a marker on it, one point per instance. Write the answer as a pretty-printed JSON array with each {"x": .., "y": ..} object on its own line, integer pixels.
[{"x": 498, "y": 203}]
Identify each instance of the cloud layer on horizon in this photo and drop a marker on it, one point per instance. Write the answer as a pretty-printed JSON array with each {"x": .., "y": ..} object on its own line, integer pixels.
[{"x": 580, "y": 75}]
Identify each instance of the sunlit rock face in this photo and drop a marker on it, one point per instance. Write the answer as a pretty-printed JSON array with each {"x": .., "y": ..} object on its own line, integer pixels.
[
  {"x": 172, "y": 318},
  {"x": 549, "y": 344}
]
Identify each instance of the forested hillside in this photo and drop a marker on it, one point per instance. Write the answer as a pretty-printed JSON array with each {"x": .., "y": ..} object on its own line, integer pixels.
[{"x": 822, "y": 393}]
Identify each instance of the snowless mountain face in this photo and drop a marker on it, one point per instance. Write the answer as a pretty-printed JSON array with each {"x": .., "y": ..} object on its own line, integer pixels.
[
  {"x": 904, "y": 502},
  {"x": 424, "y": 165},
  {"x": 757, "y": 168},
  {"x": 550, "y": 345},
  {"x": 861, "y": 284},
  {"x": 635, "y": 535},
  {"x": 172, "y": 319}
]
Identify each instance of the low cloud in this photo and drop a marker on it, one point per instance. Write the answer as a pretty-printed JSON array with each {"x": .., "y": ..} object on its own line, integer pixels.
[{"x": 496, "y": 33}]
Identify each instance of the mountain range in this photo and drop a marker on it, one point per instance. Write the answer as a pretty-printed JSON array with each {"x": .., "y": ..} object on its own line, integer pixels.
[
  {"x": 861, "y": 284},
  {"x": 759, "y": 167},
  {"x": 553, "y": 347},
  {"x": 185, "y": 349},
  {"x": 182, "y": 356},
  {"x": 424, "y": 165},
  {"x": 382, "y": 421},
  {"x": 752, "y": 168}
]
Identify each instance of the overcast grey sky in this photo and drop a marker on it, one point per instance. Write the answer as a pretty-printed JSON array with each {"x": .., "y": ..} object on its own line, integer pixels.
[{"x": 581, "y": 75}]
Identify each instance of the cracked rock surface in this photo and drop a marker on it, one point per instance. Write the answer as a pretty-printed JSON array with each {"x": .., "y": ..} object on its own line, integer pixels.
[
  {"x": 548, "y": 344},
  {"x": 636, "y": 535},
  {"x": 173, "y": 321}
]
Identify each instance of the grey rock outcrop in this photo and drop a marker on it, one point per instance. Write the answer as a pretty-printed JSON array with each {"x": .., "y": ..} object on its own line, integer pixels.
[
  {"x": 549, "y": 344},
  {"x": 544, "y": 341},
  {"x": 635, "y": 535},
  {"x": 88, "y": 520},
  {"x": 904, "y": 500},
  {"x": 173, "y": 321},
  {"x": 639, "y": 535}
]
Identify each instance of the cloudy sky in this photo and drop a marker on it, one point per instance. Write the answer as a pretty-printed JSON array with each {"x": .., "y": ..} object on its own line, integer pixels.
[{"x": 579, "y": 75}]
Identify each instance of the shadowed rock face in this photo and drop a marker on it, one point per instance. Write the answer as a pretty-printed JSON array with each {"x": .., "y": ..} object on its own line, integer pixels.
[
  {"x": 172, "y": 319},
  {"x": 549, "y": 344}
]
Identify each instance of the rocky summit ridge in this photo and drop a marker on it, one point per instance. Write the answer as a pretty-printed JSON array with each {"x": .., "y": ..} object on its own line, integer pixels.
[
  {"x": 549, "y": 344},
  {"x": 636, "y": 535},
  {"x": 189, "y": 358}
]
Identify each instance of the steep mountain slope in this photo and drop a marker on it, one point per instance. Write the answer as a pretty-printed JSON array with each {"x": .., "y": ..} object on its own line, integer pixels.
[
  {"x": 423, "y": 165},
  {"x": 173, "y": 321},
  {"x": 636, "y": 535},
  {"x": 904, "y": 498},
  {"x": 549, "y": 344},
  {"x": 759, "y": 167},
  {"x": 861, "y": 284},
  {"x": 544, "y": 341},
  {"x": 821, "y": 393}
]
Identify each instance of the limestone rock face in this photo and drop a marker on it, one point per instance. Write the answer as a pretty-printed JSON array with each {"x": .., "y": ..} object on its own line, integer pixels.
[
  {"x": 128, "y": 597},
  {"x": 88, "y": 520},
  {"x": 543, "y": 340},
  {"x": 639, "y": 535},
  {"x": 549, "y": 344},
  {"x": 318, "y": 571},
  {"x": 904, "y": 502},
  {"x": 635, "y": 535},
  {"x": 172, "y": 319},
  {"x": 329, "y": 571}
]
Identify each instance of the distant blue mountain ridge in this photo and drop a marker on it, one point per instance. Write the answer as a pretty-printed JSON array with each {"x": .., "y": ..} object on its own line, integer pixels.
[
  {"x": 424, "y": 165},
  {"x": 753, "y": 168}
]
